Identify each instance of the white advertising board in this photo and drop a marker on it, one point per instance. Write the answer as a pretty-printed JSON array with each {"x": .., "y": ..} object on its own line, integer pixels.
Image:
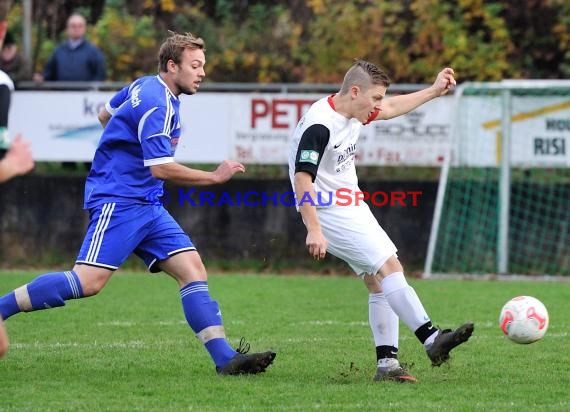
[
  {"x": 262, "y": 124},
  {"x": 63, "y": 126},
  {"x": 255, "y": 129},
  {"x": 540, "y": 131}
]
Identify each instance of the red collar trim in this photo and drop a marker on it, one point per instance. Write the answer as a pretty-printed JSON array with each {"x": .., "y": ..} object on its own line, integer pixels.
[{"x": 330, "y": 100}]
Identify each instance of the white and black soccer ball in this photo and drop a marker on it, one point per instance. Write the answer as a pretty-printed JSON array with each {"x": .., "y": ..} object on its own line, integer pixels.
[{"x": 524, "y": 319}]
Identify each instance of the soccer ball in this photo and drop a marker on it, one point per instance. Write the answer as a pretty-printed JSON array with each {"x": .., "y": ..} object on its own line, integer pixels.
[{"x": 524, "y": 319}]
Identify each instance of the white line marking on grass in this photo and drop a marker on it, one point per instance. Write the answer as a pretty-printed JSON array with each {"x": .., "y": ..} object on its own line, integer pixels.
[
  {"x": 128, "y": 324},
  {"x": 331, "y": 322},
  {"x": 135, "y": 344},
  {"x": 325, "y": 339}
]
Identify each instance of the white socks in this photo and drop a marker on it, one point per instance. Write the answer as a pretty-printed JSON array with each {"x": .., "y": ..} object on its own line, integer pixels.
[
  {"x": 404, "y": 300},
  {"x": 383, "y": 320}
]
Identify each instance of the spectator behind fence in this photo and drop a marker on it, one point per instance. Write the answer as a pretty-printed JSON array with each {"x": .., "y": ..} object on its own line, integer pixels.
[
  {"x": 12, "y": 62},
  {"x": 75, "y": 59}
]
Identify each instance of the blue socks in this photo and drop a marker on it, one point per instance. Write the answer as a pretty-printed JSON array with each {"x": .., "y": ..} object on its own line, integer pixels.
[
  {"x": 205, "y": 318},
  {"x": 47, "y": 291},
  {"x": 53, "y": 289}
]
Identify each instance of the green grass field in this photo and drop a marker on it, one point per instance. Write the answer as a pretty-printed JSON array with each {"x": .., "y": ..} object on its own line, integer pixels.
[{"x": 129, "y": 349}]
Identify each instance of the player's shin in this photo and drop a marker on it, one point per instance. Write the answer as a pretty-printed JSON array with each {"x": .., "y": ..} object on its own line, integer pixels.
[
  {"x": 407, "y": 305},
  {"x": 384, "y": 324},
  {"x": 44, "y": 292},
  {"x": 205, "y": 318}
]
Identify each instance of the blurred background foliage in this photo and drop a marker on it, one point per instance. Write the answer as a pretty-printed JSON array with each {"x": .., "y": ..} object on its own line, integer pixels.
[{"x": 314, "y": 41}]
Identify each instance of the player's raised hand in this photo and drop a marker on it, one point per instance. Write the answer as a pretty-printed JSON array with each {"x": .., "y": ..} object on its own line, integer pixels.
[
  {"x": 445, "y": 81},
  {"x": 227, "y": 169}
]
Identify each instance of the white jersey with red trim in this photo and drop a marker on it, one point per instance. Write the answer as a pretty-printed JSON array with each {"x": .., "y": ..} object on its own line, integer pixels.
[{"x": 336, "y": 168}]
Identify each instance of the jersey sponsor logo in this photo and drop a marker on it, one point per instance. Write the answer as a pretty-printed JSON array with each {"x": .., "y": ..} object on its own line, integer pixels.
[
  {"x": 346, "y": 153},
  {"x": 135, "y": 100},
  {"x": 345, "y": 159},
  {"x": 336, "y": 146},
  {"x": 309, "y": 156}
]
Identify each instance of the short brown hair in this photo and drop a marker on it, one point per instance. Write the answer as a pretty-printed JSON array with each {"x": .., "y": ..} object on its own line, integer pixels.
[
  {"x": 364, "y": 74},
  {"x": 174, "y": 45}
]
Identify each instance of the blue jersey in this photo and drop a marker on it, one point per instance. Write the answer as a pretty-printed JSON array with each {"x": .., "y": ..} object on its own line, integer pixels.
[{"x": 143, "y": 131}]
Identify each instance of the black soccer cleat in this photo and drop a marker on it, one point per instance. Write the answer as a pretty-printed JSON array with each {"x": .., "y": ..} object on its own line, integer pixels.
[
  {"x": 446, "y": 340},
  {"x": 246, "y": 363}
]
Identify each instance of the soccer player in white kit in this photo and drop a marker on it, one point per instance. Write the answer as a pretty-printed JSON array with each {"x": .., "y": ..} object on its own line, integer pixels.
[{"x": 321, "y": 161}]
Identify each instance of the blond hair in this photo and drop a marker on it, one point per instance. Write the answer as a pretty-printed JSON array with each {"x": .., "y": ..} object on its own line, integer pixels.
[
  {"x": 173, "y": 47},
  {"x": 363, "y": 74}
]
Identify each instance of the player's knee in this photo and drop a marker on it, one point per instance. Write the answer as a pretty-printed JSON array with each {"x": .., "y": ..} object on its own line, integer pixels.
[
  {"x": 91, "y": 287},
  {"x": 372, "y": 284},
  {"x": 92, "y": 279},
  {"x": 195, "y": 275},
  {"x": 185, "y": 268},
  {"x": 392, "y": 265}
]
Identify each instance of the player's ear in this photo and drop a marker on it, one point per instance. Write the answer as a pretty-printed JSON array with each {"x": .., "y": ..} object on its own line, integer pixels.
[
  {"x": 170, "y": 65},
  {"x": 354, "y": 91}
]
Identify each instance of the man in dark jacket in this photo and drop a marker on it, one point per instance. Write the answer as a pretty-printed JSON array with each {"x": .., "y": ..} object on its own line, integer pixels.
[{"x": 76, "y": 59}]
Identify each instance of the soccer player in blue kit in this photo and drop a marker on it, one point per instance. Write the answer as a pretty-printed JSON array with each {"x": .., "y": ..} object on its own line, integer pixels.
[{"x": 133, "y": 159}]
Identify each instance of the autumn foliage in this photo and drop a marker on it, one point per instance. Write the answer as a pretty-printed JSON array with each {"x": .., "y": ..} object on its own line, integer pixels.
[{"x": 314, "y": 41}]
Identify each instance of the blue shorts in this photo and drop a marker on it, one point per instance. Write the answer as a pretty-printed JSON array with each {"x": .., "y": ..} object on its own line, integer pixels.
[{"x": 117, "y": 230}]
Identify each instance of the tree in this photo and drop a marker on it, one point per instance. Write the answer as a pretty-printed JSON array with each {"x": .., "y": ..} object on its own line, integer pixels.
[{"x": 316, "y": 40}]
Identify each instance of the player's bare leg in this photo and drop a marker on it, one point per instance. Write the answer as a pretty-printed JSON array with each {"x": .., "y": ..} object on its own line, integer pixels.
[{"x": 92, "y": 278}]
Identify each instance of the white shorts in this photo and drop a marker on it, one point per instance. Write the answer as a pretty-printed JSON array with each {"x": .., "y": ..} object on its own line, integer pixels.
[{"x": 355, "y": 236}]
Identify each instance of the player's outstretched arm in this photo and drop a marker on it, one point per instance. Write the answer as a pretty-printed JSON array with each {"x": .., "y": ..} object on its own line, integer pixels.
[
  {"x": 398, "y": 105},
  {"x": 180, "y": 174}
]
